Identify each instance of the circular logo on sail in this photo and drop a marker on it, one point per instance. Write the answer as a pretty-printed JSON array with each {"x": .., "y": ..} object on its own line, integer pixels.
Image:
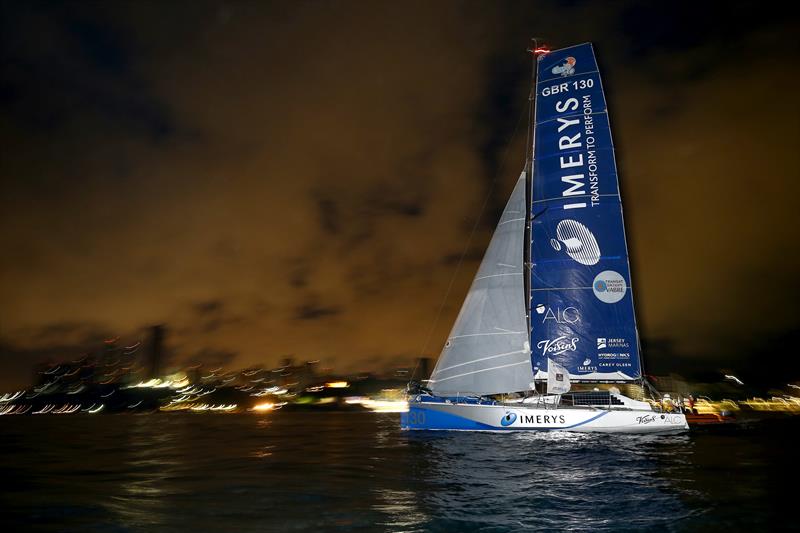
[
  {"x": 509, "y": 418},
  {"x": 609, "y": 286},
  {"x": 576, "y": 239}
]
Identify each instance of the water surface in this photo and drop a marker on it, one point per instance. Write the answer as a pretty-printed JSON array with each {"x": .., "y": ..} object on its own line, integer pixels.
[{"x": 287, "y": 471}]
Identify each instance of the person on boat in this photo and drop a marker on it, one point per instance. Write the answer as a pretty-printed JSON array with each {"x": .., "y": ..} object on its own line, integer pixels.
[
  {"x": 692, "y": 408},
  {"x": 667, "y": 404}
]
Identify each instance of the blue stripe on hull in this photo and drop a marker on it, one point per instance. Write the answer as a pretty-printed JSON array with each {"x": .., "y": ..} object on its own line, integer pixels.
[
  {"x": 604, "y": 413},
  {"x": 421, "y": 418}
]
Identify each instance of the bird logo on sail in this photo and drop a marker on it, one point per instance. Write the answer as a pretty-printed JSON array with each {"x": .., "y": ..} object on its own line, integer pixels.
[
  {"x": 509, "y": 418},
  {"x": 567, "y": 68},
  {"x": 579, "y": 242}
]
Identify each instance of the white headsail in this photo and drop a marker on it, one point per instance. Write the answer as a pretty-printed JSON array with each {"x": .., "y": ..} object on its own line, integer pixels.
[{"x": 487, "y": 351}]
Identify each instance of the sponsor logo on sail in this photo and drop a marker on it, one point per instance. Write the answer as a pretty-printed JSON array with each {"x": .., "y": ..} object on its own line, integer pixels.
[
  {"x": 567, "y": 68},
  {"x": 581, "y": 181},
  {"x": 558, "y": 346},
  {"x": 579, "y": 243},
  {"x": 587, "y": 366},
  {"x": 509, "y": 418},
  {"x": 567, "y": 315},
  {"x": 609, "y": 286},
  {"x": 614, "y": 355},
  {"x": 617, "y": 355},
  {"x": 612, "y": 342}
]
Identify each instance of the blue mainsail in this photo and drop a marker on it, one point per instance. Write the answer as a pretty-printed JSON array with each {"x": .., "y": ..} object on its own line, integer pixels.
[{"x": 582, "y": 314}]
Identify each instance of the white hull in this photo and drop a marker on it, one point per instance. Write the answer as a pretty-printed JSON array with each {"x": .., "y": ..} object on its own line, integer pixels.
[{"x": 424, "y": 415}]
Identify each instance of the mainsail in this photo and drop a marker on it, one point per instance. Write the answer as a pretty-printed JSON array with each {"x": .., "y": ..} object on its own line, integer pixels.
[
  {"x": 582, "y": 314},
  {"x": 487, "y": 351}
]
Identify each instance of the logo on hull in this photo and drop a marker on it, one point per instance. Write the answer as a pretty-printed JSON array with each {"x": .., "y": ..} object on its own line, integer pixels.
[{"x": 509, "y": 418}]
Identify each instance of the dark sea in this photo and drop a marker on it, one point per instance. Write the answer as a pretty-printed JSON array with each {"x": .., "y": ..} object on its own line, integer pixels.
[{"x": 285, "y": 471}]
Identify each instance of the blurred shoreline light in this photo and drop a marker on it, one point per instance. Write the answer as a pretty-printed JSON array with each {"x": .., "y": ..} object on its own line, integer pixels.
[
  {"x": 11, "y": 396},
  {"x": 220, "y": 407},
  {"x": 787, "y": 404},
  {"x": 379, "y": 406},
  {"x": 156, "y": 383}
]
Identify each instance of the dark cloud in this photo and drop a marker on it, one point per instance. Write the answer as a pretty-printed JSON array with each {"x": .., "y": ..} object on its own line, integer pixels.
[
  {"x": 21, "y": 349},
  {"x": 329, "y": 218},
  {"x": 79, "y": 66},
  {"x": 208, "y": 307},
  {"x": 210, "y": 316},
  {"x": 66, "y": 332},
  {"x": 214, "y": 358},
  {"x": 315, "y": 311},
  {"x": 298, "y": 273},
  {"x": 471, "y": 256}
]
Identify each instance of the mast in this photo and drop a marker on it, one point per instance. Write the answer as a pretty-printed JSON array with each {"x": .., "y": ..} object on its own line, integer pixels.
[
  {"x": 535, "y": 50},
  {"x": 528, "y": 181}
]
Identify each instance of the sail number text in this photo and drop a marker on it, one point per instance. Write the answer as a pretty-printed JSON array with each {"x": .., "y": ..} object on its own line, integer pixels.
[
  {"x": 416, "y": 417},
  {"x": 564, "y": 87}
]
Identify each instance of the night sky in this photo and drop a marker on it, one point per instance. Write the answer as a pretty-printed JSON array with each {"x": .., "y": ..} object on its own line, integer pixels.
[{"x": 301, "y": 178}]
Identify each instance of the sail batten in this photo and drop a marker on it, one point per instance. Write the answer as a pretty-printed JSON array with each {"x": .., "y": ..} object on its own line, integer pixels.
[
  {"x": 481, "y": 359},
  {"x": 523, "y": 362},
  {"x": 488, "y": 350},
  {"x": 582, "y": 315}
]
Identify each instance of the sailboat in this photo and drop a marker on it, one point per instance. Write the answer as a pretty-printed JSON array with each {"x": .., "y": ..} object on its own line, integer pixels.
[{"x": 546, "y": 336}]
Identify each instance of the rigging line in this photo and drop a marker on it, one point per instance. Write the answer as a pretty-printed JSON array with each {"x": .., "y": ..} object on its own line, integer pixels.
[{"x": 471, "y": 235}]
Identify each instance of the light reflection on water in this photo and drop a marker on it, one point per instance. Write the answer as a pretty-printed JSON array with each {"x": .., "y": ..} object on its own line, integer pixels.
[
  {"x": 335, "y": 471},
  {"x": 151, "y": 458},
  {"x": 550, "y": 481}
]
